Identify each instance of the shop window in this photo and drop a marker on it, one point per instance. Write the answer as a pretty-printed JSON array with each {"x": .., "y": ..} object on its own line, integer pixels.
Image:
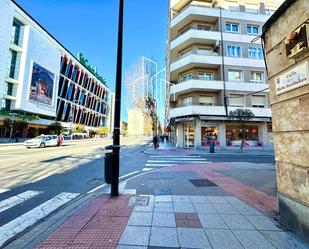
[
  {"x": 235, "y": 75},
  {"x": 206, "y": 100},
  {"x": 233, "y": 51},
  {"x": 236, "y": 100},
  {"x": 257, "y": 77},
  {"x": 232, "y": 27},
  {"x": 258, "y": 101},
  {"x": 208, "y": 134},
  {"x": 205, "y": 76},
  {"x": 188, "y": 135},
  {"x": 235, "y": 133}
]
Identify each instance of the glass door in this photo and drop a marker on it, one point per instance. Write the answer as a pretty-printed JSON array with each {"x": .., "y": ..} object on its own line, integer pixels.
[{"x": 189, "y": 135}]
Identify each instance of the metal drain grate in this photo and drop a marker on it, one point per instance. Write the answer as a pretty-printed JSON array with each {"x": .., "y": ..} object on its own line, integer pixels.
[
  {"x": 202, "y": 183},
  {"x": 139, "y": 201}
]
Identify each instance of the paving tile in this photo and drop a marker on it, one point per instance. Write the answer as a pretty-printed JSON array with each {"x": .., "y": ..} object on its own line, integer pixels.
[
  {"x": 131, "y": 247},
  {"x": 216, "y": 199},
  {"x": 163, "y": 198},
  {"x": 195, "y": 224},
  {"x": 165, "y": 207},
  {"x": 262, "y": 222},
  {"x": 180, "y": 216},
  {"x": 198, "y": 199},
  {"x": 192, "y": 216},
  {"x": 225, "y": 208},
  {"x": 164, "y": 236},
  {"x": 129, "y": 191},
  {"x": 222, "y": 239},
  {"x": 135, "y": 235},
  {"x": 163, "y": 220},
  {"x": 193, "y": 238},
  {"x": 242, "y": 207},
  {"x": 181, "y": 198},
  {"x": 183, "y": 207},
  {"x": 148, "y": 208},
  {"x": 140, "y": 219},
  {"x": 251, "y": 239},
  {"x": 236, "y": 222},
  {"x": 182, "y": 223},
  {"x": 284, "y": 240},
  {"x": 204, "y": 208},
  {"x": 212, "y": 221}
]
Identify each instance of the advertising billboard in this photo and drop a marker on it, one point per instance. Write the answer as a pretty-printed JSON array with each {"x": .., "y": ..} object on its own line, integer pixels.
[{"x": 42, "y": 85}]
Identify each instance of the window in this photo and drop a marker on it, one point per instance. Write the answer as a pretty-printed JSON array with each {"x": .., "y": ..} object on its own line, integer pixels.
[
  {"x": 186, "y": 77},
  {"x": 233, "y": 8},
  {"x": 251, "y": 8},
  {"x": 205, "y": 76},
  {"x": 186, "y": 101},
  {"x": 257, "y": 77},
  {"x": 258, "y": 101},
  {"x": 232, "y": 27},
  {"x": 16, "y": 32},
  {"x": 252, "y": 30},
  {"x": 7, "y": 104},
  {"x": 236, "y": 100},
  {"x": 255, "y": 53},
  {"x": 235, "y": 75},
  {"x": 12, "y": 65},
  {"x": 233, "y": 51},
  {"x": 9, "y": 89},
  {"x": 203, "y": 27},
  {"x": 206, "y": 100}
]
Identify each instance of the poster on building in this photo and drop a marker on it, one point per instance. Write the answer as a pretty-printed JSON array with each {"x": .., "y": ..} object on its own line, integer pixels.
[
  {"x": 42, "y": 85},
  {"x": 294, "y": 78}
]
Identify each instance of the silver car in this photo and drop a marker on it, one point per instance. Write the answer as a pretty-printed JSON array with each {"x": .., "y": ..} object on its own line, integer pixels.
[{"x": 42, "y": 141}]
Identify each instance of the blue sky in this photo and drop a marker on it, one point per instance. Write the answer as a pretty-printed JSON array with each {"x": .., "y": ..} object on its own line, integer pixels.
[{"x": 90, "y": 27}]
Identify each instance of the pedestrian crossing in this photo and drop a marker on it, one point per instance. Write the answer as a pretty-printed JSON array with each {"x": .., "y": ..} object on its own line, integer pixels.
[
  {"x": 27, "y": 219},
  {"x": 155, "y": 161}
]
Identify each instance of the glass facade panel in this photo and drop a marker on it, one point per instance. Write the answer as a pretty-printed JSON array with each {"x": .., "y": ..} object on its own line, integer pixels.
[{"x": 189, "y": 135}]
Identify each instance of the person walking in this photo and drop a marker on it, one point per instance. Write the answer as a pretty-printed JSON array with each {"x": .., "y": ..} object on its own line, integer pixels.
[
  {"x": 60, "y": 140},
  {"x": 155, "y": 142}
]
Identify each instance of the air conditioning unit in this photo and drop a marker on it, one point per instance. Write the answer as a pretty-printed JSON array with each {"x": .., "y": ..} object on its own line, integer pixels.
[{"x": 297, "y": 42}]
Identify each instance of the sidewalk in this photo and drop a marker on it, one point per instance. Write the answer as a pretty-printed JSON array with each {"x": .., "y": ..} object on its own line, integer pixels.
[
  {"x": 183, "y": 206},
  {"x": 168, "y": 148}
]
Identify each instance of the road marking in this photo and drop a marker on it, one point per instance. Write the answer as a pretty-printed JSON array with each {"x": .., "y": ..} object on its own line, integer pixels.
[
  {"x": 159, "y": 165},
  {"x": 177, "y": 156},
  {"x": 26, "y": 220},
  {"x": 132, "y": 173},
  {"x": 147, "y": 169},
  {"x": 15, "y": 200},
  {"x": 96, "y": 188},
  {"x": 175, "y": 161},
  {"x": 2, "y": 190}
]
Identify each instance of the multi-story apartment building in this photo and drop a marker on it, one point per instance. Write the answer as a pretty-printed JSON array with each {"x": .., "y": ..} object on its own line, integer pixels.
[
  {"x": 39, "y": 76},
  {"x": 215, "y": 64}
]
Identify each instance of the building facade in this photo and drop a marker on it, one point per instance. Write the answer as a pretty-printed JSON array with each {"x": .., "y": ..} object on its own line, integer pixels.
[
  {"x": 215, "y": 65},
  {"x": 286, "y": 37},
  {"x": 39, "y": 76}
]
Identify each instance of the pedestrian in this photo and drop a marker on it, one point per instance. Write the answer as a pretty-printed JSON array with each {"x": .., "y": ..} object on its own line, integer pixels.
[
  {"x": 155, "y": 142},
  {"x": 60, "y": 140}
]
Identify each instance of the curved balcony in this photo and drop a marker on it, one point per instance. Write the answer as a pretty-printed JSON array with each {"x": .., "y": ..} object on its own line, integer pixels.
[
  {"x": 208, "y": 14},
  {"x": 196, "y": 109},
  {"x": 214, "y": 85},
  {"x": 258, "y": 112},
  {"x": 212, "y": 60}
]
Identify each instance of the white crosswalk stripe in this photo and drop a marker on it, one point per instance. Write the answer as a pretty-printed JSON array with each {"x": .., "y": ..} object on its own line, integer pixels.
[
  {"x": 17, "y": 199},
  {"x": 167, "y": 161},
  {"x": 19, "y": 224},
  {"x": 2, "y": 190}
]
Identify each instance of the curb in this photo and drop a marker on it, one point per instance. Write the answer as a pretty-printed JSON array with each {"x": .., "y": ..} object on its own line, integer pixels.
[{"x": 33, "y": 235}]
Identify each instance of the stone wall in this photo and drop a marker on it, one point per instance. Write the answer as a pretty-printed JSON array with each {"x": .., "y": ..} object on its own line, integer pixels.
[{"x": 290, "y": 122}]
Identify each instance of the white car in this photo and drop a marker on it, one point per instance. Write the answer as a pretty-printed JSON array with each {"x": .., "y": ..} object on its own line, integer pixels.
[{"x": 42, "y": 141}]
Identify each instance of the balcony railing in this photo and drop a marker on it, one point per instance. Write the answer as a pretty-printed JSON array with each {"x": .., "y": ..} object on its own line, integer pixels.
[
  {"x": 194, "y": 5},
  {"x": 195, "y": 28},
  {"x": 196, "y": 103},
  {"x": 196, "y": 52}
]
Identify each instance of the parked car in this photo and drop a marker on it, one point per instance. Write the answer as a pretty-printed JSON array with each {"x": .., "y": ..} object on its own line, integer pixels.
[{"x": 42, "y": 141}]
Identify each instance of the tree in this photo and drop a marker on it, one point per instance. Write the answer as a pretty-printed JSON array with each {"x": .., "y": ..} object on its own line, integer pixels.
[
  {"x": 242, "y": 116},
  {"x": 78, "y": 128},
  {"x": 151, "y": 109},
  {"x": 55, "y": 127},
  {"x": 103, "y": 130}
]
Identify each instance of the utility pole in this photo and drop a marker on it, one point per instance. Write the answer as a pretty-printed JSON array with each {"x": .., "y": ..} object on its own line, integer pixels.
[{"x": 116, "y": 137}]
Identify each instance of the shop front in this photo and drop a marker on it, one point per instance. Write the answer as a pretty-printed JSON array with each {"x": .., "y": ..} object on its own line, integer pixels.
[
  {"x": 235, "y": 134},
  {"x": 209, "y": 133}
]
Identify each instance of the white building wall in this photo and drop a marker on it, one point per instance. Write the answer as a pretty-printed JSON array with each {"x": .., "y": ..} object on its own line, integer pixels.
[{"x": 6, "y": 20}]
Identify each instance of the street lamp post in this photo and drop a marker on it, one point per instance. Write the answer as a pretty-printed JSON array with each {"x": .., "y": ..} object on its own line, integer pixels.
[{"x": 116, "y": 137}]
